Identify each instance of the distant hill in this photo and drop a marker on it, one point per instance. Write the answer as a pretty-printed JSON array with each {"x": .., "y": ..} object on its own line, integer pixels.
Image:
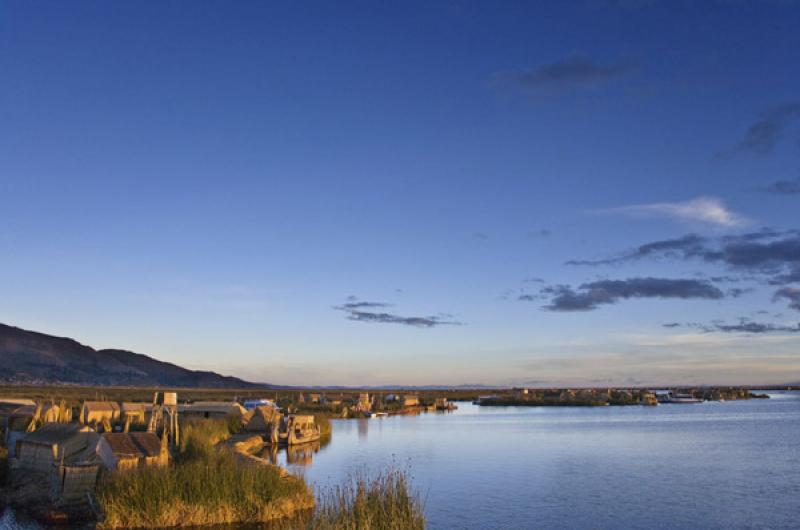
[{"x": 30, "y": 357}]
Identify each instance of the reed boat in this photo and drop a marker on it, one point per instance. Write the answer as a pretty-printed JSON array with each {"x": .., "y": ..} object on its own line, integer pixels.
[{"x": 296, "y": 429}]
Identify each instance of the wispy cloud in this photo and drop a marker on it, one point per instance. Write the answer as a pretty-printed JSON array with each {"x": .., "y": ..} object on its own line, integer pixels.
[
  {"x": 687, "y": 245},
  {"x": 767, "y": 256},
  {"x": 590, "y": 296},
  {"x": 543, "y": 232},
  {"x": 783, "y": 187},
  {"x": 567, "y": 73},
  {"x": 707, "y": 210},
  {"x": 745, "y": 325},
  {"x": 789, "y": 293},
  {"x": 357, "y": 311},
  {"x": 763, "y": 135},
  {"x": 776, "y": 253}
]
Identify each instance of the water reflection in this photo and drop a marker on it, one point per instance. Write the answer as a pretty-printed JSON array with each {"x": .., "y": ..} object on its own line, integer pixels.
[
  {"x": 294, "y": 455},
  {"x": 722, "y": 465},
  {"x": 363, "y": 429}
]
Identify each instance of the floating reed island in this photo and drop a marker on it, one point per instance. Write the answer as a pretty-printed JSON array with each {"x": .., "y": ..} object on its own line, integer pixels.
[
  {"x": 164, "y": 464},
  {"x": 602, "y": 397}
]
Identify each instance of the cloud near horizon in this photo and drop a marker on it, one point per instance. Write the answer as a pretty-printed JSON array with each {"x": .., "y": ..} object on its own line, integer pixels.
[
  {"x": 707, "y": 210},
  {"x": 745, "y": 325}
]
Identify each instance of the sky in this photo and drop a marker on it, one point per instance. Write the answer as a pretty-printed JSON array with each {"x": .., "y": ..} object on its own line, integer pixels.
[{"x": 426, "y": 193}]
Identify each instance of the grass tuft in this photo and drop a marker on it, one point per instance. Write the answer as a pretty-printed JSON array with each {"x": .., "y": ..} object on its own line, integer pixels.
[{"x": 383, "y": 503}]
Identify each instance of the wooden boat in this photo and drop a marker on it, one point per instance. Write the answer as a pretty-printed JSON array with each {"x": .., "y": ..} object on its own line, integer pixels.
[{"x": 296, "y": 429}]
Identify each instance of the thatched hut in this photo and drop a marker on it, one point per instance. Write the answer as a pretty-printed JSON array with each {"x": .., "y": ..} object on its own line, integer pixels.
[
  {"x": 135, "y": 413},
  {"x": 132, "y": 450},
  {"x": 364, "y": 403},
  {"x": 410, "y": 400},
  {"x": 96, "y": 412},
  {"x": 52, "y": 413},
  {"x": 52, "y": 444},
  {"x": 261, "y": 419},
  {"x": 73, "y": 481},
  {"x": 9, "y": 404},
  {"x": 212, "y": 409}
]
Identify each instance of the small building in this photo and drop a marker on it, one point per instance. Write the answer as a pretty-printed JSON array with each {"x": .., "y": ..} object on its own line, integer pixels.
[
  {"x": 212, "y": 409},
  {"x": 73, "y": 481},
  {"x": 262, "y": 419},
  {"x": 410, "y": 400},
  {"x": 132, "y": 450},
  {"x": 136, "y": 413},
  {"x": 97, "y": 412},
  {"x": 9, "y": 404},
  {"x": 52, "y": 413},
  {"x": 648, "y": 398},
  {"x": 364, "y": 403},
  {"x": 52, "y": 444},
  {"x": 315, "y": 399}
]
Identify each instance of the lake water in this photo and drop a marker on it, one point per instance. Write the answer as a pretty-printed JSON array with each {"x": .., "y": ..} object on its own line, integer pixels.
[{"x": 712, "y": 465}]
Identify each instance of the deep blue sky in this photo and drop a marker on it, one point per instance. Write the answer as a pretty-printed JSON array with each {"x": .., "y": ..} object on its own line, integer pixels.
[{"x": 358, "y": 193}]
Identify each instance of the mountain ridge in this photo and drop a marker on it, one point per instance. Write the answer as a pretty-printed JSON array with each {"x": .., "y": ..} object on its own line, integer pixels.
[{"x": 35, "y": 357}]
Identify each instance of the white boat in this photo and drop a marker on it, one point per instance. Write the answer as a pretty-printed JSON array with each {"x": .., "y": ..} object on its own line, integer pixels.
[{"x": 669, "y": 397}]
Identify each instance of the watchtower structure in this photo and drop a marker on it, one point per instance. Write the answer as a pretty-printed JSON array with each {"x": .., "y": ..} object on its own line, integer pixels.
[{"x": 164, "y": 418}]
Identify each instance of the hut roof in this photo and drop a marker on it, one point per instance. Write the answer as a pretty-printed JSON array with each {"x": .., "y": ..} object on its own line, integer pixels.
[
  {"x": 266, "y": 411},
  {"x": 137, "y": 444},
  {"x": 17, "y": 402},
  {"x": 55, "y": 433},
  {"x": 101, "y": 405},
  {"x": 213, "y": 406},
  {"x": 23, "y": 411},
  {"x": 136, "y": 407}
]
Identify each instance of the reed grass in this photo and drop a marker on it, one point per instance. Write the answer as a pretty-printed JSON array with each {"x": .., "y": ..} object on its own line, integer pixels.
[
  {"x": 204, "y": 486},
  {"x": 383, "y": 503},
  {"x": 198, "y": 438},
  {"x": 324, "y": 422}
]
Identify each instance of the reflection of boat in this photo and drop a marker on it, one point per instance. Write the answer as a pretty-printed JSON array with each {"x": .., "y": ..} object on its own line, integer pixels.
[
  {"x": 669, "y": 397},
  {"x": 299, "y": 455},
  {"x": 444, "y": 404},
  {"x": 298, "y": 429},
  {"x": 302, "y": 455}
]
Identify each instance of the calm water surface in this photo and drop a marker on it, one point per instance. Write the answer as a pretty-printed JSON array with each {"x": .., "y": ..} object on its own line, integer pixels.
[{"x": 712, "y": 465}]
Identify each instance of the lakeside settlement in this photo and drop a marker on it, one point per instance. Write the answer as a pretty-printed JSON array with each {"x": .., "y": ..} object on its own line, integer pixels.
[{"x": 126, "y": 463}]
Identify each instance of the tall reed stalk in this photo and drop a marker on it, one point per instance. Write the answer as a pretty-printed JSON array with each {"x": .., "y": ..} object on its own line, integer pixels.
[{"x": 383, "y": 503}]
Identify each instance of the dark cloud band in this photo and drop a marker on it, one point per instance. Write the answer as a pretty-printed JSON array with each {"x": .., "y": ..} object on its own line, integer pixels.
[{"x": 590, "y": 296}]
